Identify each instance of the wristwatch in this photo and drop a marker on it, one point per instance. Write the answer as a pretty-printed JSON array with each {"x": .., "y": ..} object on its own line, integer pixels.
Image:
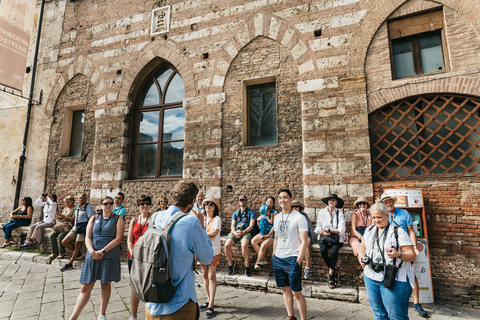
[{"x": 103, "y": 251}]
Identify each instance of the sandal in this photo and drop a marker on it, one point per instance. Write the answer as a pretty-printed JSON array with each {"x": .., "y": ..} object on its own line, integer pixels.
[
  {"x": 60, "y": 256},
  {"x": 52, "y": 256},
  {"x": 335, "y": 277},
  {"x": 331, "y": 282},
  {"x": 204, "y": 306},
  {"x": 209, "y": 314}
]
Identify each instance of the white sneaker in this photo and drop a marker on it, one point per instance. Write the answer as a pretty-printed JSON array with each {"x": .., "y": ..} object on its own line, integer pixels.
[
  {"x": 132, "y": 318},
  {"x": 102, "y": 317}
]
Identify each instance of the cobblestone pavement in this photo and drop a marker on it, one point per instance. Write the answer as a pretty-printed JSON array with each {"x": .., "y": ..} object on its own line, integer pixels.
[{"x": 40, "y": 291}]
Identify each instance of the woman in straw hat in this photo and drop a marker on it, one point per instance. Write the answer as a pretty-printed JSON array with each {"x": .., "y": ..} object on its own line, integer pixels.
[
  {"x": 331, "y": 231},
  {"x": 361, "y": 219},
  {"x": 213, "y": 225}
]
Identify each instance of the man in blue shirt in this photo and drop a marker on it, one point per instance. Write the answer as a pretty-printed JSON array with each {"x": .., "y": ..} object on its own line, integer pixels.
[
  {"x": 243, "y": 221},
  {"x": 197, "y": 206},
  {"x": 118, "y": 207},
  {"x": 188, "y": 238},
  {"x": 403, "y": 219}
]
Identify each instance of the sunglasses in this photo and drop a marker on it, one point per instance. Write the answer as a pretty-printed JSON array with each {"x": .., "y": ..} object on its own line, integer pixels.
[
  {"x": 209, "y": 204},
  {"x": 145, "y": 203},
  {"x": 295, "y": 206},
  {"x": 119, "y": 198},
  {"x": 363, "y": 204},
  {"x": 107, "y": 204},
  {"x": 161, "y": 201},
  {"x": 242, "y": 200}
]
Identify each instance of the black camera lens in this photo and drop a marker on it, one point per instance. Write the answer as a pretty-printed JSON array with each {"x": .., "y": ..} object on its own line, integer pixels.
[
  {"x": 44, "y": 195},
  {"x": 366, "y": 260}
]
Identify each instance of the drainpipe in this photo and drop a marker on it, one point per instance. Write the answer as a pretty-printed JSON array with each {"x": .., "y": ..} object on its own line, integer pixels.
[{"x": 29, "y": 110}]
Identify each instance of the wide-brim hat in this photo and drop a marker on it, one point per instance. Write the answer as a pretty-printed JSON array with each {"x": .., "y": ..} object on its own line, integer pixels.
[
  {"x": 386, "y": 197},
  {"x": 298, "y": 203},
  {"x": 211, "y": 200},
  {"x": 362, "y": 199},
  {"x": 340, "y": 201}
]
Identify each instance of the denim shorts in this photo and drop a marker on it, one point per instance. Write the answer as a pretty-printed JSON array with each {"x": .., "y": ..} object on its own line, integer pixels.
[{"x": 287, "y": 273}]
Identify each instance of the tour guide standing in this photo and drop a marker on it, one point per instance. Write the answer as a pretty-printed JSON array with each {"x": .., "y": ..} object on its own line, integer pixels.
[
  {"x": 188, "y": 238},
  {"x": 291, "y": 233}
]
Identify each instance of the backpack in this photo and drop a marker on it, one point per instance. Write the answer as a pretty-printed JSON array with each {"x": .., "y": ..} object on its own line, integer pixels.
[{"x": 151, "y": 275}]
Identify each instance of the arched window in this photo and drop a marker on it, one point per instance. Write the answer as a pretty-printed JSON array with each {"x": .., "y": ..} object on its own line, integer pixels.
[
  {"x": 159, "y": 122},
  {"x": 427, "y": 137}
]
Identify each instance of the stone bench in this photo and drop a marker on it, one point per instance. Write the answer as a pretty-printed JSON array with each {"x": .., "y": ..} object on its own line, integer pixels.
[
  {"x": 348, "y": 264},
  {"x": 19, "y": 235}
]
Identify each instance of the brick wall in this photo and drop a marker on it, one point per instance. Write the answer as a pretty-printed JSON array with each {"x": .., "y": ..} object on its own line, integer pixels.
[
  {"x": 72, "y": 175},
  {"x": 272, "y": 167}
]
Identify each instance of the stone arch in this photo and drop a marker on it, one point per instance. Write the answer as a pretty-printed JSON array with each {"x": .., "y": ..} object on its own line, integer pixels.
[
  {"x": 144, "y": 63},
  {"x": 80, "y": 65},
  {"x": 269, "y": 26},
  {"x": 379, "y": 11},
  {"x": 458, "y": 85}
]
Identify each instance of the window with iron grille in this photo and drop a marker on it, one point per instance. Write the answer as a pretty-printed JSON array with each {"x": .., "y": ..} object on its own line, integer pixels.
[
  {"x": 262, "y": 114},
  {"x": 427, "y": 137},
  {"x": 159, "y": 122}
]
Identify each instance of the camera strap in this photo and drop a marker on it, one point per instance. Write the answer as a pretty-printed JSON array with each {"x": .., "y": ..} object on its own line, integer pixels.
[
  {"x": 384, "y": 233},
  {"x": 395, "y": 231}
]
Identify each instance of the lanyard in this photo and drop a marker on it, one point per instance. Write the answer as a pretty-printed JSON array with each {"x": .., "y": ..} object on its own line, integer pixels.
[
  {"x": 210, "y": 224},
  {"x": 364, "y": 220},
  {"x": 142, "y": 226},
  {"x": 106, "y": 221}
]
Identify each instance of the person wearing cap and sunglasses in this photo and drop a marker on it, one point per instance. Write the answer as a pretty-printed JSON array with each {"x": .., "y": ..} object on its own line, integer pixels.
[
  {"x": 402, "y": 218},
  {"x": 138, "y": 226},
  {"x": 213, "y": 226},
  {"x": 331, "y": 230},
  {"x": 297, "y": 205},
  {"x": 243, "y": 222},
  {"x": 361, "y": 219}
]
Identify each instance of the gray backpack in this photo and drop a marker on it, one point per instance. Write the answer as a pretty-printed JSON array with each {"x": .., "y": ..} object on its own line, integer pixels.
[{"x": 151, "y": 275}]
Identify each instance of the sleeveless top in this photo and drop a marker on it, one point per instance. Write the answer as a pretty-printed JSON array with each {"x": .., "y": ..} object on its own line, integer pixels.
[
  {"x": 361, "y": 221},
  {"x": 24, "y": 213}
]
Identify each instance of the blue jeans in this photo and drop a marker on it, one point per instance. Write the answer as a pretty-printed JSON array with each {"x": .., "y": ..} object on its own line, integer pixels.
[
  {"x": 388, "y": 304},
  {"x": 9, "y": 226}
]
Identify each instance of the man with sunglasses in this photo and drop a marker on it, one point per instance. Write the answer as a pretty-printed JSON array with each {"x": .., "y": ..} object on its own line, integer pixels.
[
  {"x": 83, "y": 213},
  {"x": 118, "y": 207},
  {"x": 243, "y": 222}
]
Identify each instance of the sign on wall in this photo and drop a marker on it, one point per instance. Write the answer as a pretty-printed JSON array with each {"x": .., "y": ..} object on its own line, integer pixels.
[{"x": 16, "y": 22}]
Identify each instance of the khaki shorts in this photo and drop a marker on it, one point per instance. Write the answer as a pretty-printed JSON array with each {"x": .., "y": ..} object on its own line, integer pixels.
[
  {"x": 74, "y": 236},
  {"x": 247, "y": 236}
]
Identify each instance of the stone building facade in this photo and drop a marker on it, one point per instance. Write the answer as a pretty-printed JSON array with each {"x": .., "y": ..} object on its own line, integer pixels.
[{"x": 333, "y": 67}]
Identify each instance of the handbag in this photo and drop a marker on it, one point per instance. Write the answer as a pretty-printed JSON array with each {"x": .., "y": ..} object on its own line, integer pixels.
[
  {"x": 333, "y": 238},
  {"x": 81, "y": 227}
]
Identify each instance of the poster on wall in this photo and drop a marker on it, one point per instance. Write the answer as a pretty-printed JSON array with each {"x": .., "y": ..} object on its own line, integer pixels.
[
  {"x": 407, "y": 198},
  {"x": 16, "y": 22},
  {"x": 422, "y": 271}
]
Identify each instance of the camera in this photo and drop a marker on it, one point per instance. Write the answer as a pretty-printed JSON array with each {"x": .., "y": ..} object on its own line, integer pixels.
[
  {"x": 99, "y": 211},
  {"x": 366, "y": 260},
  {"x": 44, "y": 195},
  {"x": 377, "y": 267}
]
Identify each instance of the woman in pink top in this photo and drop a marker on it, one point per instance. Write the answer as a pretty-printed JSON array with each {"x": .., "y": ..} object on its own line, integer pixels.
[{"x": 361, "y": 219}]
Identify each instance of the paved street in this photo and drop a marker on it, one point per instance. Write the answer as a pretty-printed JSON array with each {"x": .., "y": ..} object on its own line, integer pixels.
[{"x": 40, "y": 291}]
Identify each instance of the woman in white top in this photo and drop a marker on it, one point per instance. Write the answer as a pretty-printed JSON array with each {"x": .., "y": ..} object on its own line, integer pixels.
[
  {"x": 213, "y": 225},
  {"x": 380, "y": 248},
  {"x": 331, "y": 234},
  {"x": 35, "y": 233}
]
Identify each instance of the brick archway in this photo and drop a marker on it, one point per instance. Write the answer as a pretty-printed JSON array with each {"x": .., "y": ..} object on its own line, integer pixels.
[
  {"x": 269, "y": 26},
  {"x": 86, "y": 67},
  {"x": 162, "y": 49},
  {"x": 379, "y": 11}
]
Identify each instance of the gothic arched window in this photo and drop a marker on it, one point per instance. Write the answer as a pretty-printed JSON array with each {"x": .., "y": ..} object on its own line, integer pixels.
[{"x": 159, "y": 123}]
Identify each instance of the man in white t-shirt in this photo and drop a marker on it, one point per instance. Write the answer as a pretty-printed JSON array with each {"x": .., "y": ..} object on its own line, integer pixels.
[{"x": 291, "y": 233}]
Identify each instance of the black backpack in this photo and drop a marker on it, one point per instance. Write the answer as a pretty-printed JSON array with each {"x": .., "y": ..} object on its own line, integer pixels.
[{"x": 151, "y": 274}]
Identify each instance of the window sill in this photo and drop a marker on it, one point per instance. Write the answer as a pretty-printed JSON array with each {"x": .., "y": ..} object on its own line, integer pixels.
[
  {"x": 167, "y": 178},
  {"x": 416, "y": 77},
  {"x": 262, "y": 146}
]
